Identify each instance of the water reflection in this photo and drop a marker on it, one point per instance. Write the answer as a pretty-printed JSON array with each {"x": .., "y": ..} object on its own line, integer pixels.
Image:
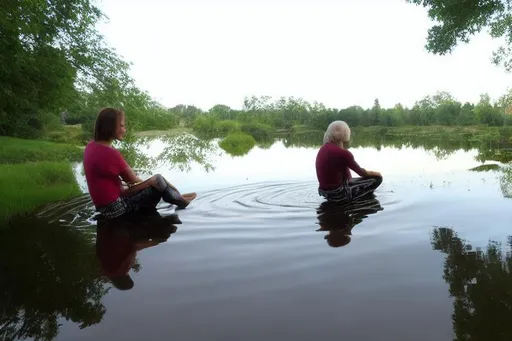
[
  {"x": 181, "y": 150},
  {"x": 184, "y": 149},
  {"x": 340, "y": 220},
  {"x": 48, "y": 272},
  {"x": 55, "y": 264},
  {"x": 506, "y": 181},
  {"x": 119, "y": 240},
  {"x": 480, "y": 283},
  {"x": 504, "y": 175}
]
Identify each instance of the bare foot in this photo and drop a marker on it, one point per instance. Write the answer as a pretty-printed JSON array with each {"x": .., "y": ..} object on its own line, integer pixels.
[{"x": 189, "y": 196}]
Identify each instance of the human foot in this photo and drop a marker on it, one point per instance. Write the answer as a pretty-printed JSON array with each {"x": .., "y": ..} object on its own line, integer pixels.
[{"x": 174, "y": 197}]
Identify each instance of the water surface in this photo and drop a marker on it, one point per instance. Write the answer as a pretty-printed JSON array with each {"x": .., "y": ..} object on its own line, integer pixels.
[{"x": 257, "y": 256}]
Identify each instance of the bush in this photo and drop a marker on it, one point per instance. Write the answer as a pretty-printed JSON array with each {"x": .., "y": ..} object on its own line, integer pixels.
[
  {"x": 260, "y": 132},
  {"x": 237, "y": 143},
  {"x": 225, "y": 127}
]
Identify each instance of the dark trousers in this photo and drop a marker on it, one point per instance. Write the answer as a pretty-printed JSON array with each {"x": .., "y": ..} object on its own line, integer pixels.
[{"x": 352, "y": 189}]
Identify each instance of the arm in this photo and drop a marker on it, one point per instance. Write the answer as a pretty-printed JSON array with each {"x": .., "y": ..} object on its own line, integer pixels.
[
  {"x": 120, "y": 167},
  {"x": 129, "y": 176},
  {"x": 352, "y": 164}
]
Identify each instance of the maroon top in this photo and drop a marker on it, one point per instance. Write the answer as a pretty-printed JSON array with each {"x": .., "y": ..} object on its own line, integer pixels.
[{"x": 333, "y": 166}]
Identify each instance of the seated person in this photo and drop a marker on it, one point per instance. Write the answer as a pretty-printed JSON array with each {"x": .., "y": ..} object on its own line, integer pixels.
[
  {"x": 105, "y": 167},
  {"x": 333, "y": 165}
]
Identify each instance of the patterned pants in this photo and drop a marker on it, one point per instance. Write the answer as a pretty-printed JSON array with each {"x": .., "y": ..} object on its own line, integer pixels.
[
  {"x": 352, "y": 189},
  {"x": 147, "y": 198}
]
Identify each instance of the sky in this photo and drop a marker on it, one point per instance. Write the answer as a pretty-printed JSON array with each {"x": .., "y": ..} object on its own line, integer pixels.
[{"x": 337, "y": 52}]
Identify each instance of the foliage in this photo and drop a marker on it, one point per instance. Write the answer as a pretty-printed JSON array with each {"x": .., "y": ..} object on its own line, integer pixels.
[
  {"x": 456, "y": 21},
  {"x": 237, "y": 144},
  {"x": 263, "y": 118},
  {"x": 53, "y": 61}
]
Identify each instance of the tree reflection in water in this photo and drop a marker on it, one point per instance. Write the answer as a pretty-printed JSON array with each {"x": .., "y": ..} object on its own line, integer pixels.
[
  {"x": 53, "y": 265},
  {"x": 480, "y": 283},
  {"x": 49, "y": 271},
  {"x": 180, "y": 152}
]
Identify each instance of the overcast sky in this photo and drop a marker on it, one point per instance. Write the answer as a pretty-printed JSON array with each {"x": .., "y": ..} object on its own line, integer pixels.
[{"x": 338, "y": 52}]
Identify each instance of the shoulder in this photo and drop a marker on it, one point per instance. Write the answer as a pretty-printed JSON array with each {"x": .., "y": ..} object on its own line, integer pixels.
[
  {"x": 101, "y": 150},
  {"x": 334, "y": 149}
]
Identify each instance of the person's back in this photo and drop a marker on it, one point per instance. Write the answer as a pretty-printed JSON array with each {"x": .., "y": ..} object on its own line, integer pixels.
[
  {"x": 333, "y": 166},
  {"x": 102, "y": 166}
]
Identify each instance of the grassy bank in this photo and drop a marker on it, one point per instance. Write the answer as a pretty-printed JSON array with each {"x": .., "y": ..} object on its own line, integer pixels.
[
  {"x": 261, "y": 132},
  {"x": 481, "y": 132},
  {"x": 25, "y": 186},
  {"x": 72, "y": 134},
  {"x": 35, "y": 172},
  {"x": 14, "y": 151},
  {"x": 438, "y": 131}
]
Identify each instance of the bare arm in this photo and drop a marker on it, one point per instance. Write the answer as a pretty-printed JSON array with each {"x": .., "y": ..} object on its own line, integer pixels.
[
  {"x": 129, "y": 176},
  {"x": 352, "y": 164}
]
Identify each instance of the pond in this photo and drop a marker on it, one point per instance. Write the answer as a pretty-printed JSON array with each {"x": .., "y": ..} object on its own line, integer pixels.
[{"x": 257, "y": 256}]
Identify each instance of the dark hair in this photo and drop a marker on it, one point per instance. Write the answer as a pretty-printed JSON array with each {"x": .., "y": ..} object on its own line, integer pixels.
[{"x": 106, "y": 124}]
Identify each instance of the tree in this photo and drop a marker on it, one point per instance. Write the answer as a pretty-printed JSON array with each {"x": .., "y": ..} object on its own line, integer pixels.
[
  {"x": 458, "y": 20},
  {"x": 49, "y": 50}
]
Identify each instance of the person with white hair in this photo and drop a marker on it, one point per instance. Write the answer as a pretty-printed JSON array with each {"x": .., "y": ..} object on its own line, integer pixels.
[{"x": 333, "y": 165}]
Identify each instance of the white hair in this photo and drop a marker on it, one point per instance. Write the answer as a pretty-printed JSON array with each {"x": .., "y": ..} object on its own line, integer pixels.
[{"x": 337, "y": 132}]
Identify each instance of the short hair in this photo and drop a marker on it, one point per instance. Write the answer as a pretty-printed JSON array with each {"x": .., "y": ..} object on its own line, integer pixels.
[
  {"x": 337, "y": 132},
  {"x": 106, "y": 123}
]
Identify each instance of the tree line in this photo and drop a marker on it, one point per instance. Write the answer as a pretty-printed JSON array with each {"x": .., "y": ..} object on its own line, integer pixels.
[{"x": 56, "y": 67}]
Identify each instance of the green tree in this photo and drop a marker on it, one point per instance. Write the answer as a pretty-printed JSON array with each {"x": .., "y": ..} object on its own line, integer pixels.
[
  {"x": 456, "y": 21},
  {"x": 486, "y": 112},
  {"x": 49, "y": 50}
]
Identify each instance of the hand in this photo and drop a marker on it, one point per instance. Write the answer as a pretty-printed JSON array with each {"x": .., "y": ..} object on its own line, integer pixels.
[{"x": 374, "y": 173}]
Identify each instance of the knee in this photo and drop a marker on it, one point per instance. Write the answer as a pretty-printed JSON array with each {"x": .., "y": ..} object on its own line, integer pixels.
[
  {"x": 378, "y": 179},
  {"x": 157, "y": 177},
  {"x": 159, "y": 182}
]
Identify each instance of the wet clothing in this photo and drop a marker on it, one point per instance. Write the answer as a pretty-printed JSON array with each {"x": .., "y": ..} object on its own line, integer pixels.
[
  {"x": 147, "y": 198},
  {"x": 333, "y": 165},
  {"x": 335, "y": 182},
  {"x": 352, "y": 189}
]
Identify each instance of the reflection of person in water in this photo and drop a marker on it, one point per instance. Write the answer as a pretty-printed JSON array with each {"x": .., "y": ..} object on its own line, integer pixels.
[
  {"x": 340, "y": 220},
  {"x": 104, "y": 168},
  {"x": 118, "y": 241},
  {"x": 333, "y": 165}
]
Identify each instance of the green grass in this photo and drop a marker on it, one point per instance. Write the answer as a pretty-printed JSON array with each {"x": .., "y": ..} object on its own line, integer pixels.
[
  {"x": 15, "y": 150},
  {"x": 29, "y": 185},
  {"x": 72, "y": 134}
]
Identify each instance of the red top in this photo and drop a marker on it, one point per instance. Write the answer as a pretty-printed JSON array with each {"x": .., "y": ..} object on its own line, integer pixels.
[
  {"x": 333, "y": 166},
  {"x": 103, "y": 165}
]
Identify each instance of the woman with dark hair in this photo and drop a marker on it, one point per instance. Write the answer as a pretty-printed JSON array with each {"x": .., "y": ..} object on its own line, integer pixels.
[{"x": 105, "y": 167}]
